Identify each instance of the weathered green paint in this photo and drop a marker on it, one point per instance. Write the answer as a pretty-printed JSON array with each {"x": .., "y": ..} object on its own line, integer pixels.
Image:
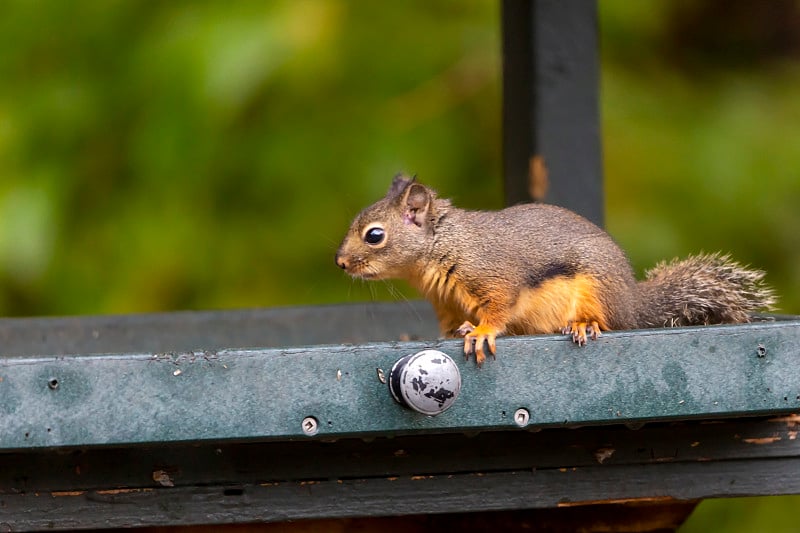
[
  {"x": 265, "y": 394},
  {"x": 215, "y": 330}
]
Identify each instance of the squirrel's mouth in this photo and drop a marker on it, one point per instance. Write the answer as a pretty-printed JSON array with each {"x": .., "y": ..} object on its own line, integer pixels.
[
  {"x": 364, "y": 274},
  {"x": 357, "y": 267}
]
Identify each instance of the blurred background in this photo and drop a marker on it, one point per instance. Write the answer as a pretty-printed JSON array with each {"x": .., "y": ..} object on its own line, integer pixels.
[{"x": 210, "y": 155}]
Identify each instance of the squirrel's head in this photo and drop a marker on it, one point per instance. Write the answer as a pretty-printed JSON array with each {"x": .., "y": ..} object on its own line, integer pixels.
[{"x": 387, "y": 238}]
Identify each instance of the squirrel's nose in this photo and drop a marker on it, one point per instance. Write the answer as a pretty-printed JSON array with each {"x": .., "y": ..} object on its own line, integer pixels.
[{"x": 341, "y": 262}]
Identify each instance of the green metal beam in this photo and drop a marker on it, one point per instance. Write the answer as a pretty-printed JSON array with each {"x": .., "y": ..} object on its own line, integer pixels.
[
  {"x": 215, "y": 330},
  {"x": 265, "y": 394}
]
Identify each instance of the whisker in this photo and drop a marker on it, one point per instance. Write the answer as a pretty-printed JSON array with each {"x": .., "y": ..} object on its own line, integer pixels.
[
  {"x": 398, "y": 295},
  {"x": 329, "y": 240}
]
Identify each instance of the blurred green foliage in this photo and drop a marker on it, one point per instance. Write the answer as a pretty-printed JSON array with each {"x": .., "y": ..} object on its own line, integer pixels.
[
  {"x": 702, "y": 155},
  {"x": 184, "y": 155},
  {"x": 188, "y": 155}
]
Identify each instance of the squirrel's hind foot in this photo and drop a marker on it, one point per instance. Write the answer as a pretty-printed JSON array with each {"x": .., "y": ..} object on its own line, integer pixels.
[
  {"x": 474, "y": 339},
  {"x": 580, "y": 331}
]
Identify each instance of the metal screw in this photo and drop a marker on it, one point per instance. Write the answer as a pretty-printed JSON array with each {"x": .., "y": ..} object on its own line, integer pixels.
[
  {"x": 522, "y": 417},
  {"x": 761, "y": 351},
  {"x": 52, "y": 383},
  {"x": 310, "y": 426}
]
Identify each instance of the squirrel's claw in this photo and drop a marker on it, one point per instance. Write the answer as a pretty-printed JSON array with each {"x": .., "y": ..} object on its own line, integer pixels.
[
  {"x": 474, "y": 339},
  {"x": 579, "y": 331},
  {"x": 465, "y": 328},
  {"x": 469, "y": 342}
]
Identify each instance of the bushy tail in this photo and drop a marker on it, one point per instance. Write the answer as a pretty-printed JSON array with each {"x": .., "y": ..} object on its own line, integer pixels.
[{"x": 702, "y": 289}]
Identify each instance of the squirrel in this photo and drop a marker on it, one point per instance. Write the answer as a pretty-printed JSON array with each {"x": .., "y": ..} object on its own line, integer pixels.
[{"x": 535, "y": 268}]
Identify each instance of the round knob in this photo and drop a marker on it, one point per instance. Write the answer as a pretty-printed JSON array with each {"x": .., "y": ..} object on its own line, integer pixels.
[{"x": 427, "y": 382}]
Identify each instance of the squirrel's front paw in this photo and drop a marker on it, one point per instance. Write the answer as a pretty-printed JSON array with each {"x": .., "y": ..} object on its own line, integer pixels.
[
  {"x": 474, "y": 338},
  {"x": 580, "y": 330},
  {"x": 465, "y": 328}
]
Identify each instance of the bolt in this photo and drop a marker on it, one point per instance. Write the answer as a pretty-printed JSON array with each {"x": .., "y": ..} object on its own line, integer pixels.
[
  {"x": 427, "y": 382},
  {"x": 522, "y": 417},
  {"x": 761, "y": 351},
  {"x": 310, "y": 426},
  {"x": 52, "y": 383}
]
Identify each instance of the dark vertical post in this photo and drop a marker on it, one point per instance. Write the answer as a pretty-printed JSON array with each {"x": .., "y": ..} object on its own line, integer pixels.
[{"x": 551, "y": 116}]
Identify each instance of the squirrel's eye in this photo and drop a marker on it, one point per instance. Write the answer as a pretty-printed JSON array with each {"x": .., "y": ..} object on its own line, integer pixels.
[{"x": 374, "y": 236}]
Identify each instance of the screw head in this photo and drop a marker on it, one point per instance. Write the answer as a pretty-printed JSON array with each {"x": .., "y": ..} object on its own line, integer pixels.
[
  {"x": 310, "y": 426},
  {"x": 522, "y": 417}
]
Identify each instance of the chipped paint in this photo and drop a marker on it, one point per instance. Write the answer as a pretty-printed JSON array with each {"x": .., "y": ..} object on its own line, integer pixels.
[
  {"x": 163, "y": 478},
  {"x": 657, "y": 499},
  {"x": 603, "y": 454},
  {"x": 115, "y": 492},
  {"x": 62, "y": 493},
  {"x": 762, "y": 440},
  {"x": 790, "y": 420}
]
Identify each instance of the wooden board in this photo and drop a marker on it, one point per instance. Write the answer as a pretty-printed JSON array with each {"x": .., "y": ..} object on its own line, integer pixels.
[{"x": 657, "y": 465}]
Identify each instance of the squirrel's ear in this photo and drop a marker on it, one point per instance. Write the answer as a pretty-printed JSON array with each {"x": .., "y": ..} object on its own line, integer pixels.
[
  {"x": 399, "y": 185},
  {"x": 417, "y": 204}
]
